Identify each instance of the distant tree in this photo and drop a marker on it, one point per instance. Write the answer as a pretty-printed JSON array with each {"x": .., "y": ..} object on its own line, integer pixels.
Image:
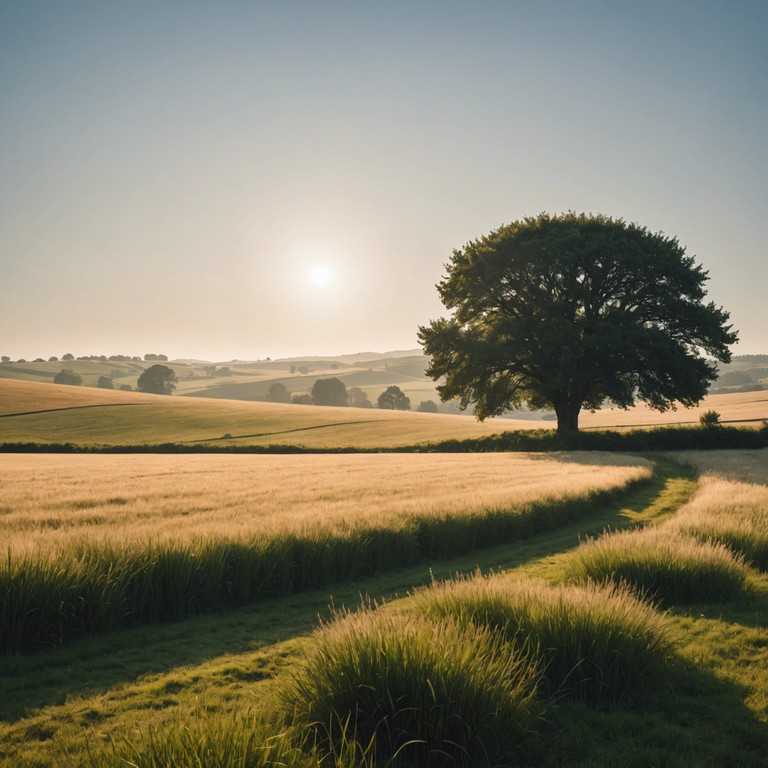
[
  {"x": 126, "y": 388},
  {"x": 53, "y": 359},
  {"x": 393, "y": 399},
  {"x": 5, "y": 359},
  {"x": 158, "y": 379},
  {"x": 301, "y": 400},
  {"x": 68, "y": 376},
  {"x": 278, "y": 393},
  {"x": 152, "y": 358},
  {"x": 293, "y": 369},
  {"x": 116, "y": 373},
  {"x": 427, "y": 406},
  {"x": 303, "y": 369},
  {"x": 568, "y": 311},
  {"x": 68, "y": 356},
  {"x": 329, "y": 392},
  {"x": 105, "y": 382},
  {"x": 210, "y": 370},
  {"x": 21, "y": 360},
  {"x": 224, "y": 371},
  {"x": 359, "y": 398},
  {"x": 38, "y": 360}
]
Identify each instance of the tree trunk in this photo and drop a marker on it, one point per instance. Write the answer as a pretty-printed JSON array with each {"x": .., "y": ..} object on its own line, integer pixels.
[{"x": 567, "y": 417}]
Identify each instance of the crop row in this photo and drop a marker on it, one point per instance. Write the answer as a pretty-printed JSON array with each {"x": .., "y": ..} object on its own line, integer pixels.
[{"x": 91, "y": 588}]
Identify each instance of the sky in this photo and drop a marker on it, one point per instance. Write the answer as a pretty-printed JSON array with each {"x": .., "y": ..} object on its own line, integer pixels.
[{"x": 221, "y": 180}]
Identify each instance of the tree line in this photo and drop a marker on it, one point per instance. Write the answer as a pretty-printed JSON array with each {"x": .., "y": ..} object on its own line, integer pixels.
[{"x": 334, "y": 392}]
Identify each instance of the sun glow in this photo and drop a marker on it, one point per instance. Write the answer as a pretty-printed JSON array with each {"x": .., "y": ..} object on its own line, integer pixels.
[{"x": 320, "y": 275}]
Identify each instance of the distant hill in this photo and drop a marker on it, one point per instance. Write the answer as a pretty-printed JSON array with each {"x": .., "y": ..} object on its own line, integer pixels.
[{"x": 373, "y": 372}]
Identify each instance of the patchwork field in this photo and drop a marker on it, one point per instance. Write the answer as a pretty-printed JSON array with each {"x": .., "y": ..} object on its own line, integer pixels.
[{"x": 48, "y": 413}]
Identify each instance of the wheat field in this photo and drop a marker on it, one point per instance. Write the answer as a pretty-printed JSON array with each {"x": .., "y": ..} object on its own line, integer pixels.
[{"x": 53, "y": 502}]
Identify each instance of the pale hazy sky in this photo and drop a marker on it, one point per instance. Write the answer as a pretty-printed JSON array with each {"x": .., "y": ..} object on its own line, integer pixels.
[{"x": 171, "y": 173}]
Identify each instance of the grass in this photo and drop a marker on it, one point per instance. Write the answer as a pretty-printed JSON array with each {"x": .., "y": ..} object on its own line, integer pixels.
[
  {"x": 66, "y": 575},
  {"x": 48, "y": 414},
  {"x": 196, "y": 674},
  {"x": 151, "y": 419},
  {"x": 425, "y": 693},
  {"x": 592, "y": 643},
  {"x": 669, "y": 568},
  {"x": 732, "y": 506},
  {"x": 734, "y": 514},
  {"x": 224, "y": 741}
]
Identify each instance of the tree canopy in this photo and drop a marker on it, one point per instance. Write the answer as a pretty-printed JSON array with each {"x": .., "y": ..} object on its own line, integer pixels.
[
  {"x": 358, "y": 398},
  {"x": 568, "y": 311},
  {"x": 329, "y": 392},
  {"x": 394, "y": 399},
  {"x": 158, "y": 379},
  {"x": 68, "y": 376},
  {"x": 278, "y": 393}
]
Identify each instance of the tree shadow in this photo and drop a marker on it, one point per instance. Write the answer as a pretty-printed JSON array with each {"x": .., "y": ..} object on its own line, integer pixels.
[{"x": 698, "y": 719}]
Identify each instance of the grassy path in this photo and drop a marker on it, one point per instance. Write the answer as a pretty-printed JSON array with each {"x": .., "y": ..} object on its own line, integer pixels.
[{"x": 105, "y": 684}]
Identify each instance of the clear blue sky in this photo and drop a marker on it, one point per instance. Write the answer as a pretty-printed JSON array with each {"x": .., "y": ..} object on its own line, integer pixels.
[{"x": 171, "y": 173}]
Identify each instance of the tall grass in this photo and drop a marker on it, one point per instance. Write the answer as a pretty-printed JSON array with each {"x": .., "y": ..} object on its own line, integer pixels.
[
  {"x": 88, "y": 587},
  {"x": 731, "y": 505},
  {"x": 669, "y": 567},
  {"x": 202, "y": 741},
  {"x": 591, "y": 642},
  {"x": 425, "y": 693},
  {"x": 50, "y": 502}
]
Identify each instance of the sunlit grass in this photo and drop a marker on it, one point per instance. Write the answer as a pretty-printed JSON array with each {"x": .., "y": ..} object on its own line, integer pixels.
[
  {"x": 428, "y": 693},
  {"x": 52, "y": 502},
  {"x": 591, "y": 642},
  {"x": 204, "y": 740},
  {"x": 668, "y": 567},
  {"x": 168, "y": 689},
  {"x": 263, "y": 526},
  {"x": 735, "y": 514}
]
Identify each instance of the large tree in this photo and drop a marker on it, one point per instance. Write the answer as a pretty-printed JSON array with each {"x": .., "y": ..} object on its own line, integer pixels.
[
  {"x": 159, "y": 379},
  {"x": 568, "y": 311}
]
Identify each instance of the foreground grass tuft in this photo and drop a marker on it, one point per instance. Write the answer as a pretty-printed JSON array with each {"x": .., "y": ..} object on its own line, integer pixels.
[
  {"x": 426, "y": 693},
  {"x": 226, "y": 742},
  {"x": 591, "y": 642},
  {"x": 669, "y": 567}
]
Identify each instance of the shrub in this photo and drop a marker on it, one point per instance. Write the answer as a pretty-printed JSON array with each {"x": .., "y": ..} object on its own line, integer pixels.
[
  {"x": 709, "y": 420},
  {"x": 428, "y": 693},
  {"x": 591, "y": 642},
  {"x": 671, "y": 568}
]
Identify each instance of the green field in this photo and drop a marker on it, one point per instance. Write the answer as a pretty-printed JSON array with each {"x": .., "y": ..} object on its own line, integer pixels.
[
  {"x": 48, "y": 413},
  {"x": 211, "y": 690}
]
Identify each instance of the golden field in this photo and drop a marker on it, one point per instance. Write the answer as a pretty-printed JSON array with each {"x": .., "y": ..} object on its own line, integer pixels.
[{"x": 52, "y": 502}]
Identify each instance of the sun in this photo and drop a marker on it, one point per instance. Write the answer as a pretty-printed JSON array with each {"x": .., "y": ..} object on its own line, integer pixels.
[{"x": 320, "y": 275}]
